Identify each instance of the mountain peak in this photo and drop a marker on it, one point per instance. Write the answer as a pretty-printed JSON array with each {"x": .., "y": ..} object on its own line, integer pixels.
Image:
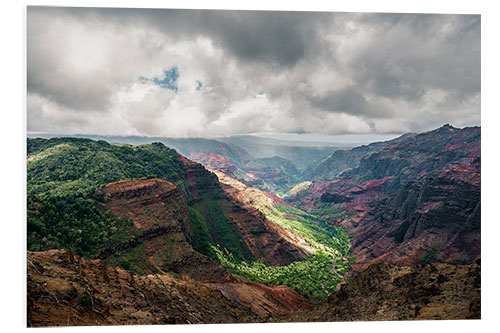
[{"x": 448, "y": 127}]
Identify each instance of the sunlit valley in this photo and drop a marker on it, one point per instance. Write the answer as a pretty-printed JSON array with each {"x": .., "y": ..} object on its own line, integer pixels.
[{"x": 188, "y": 166}]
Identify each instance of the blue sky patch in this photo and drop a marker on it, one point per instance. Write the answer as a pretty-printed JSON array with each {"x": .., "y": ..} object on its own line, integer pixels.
[
  {"x": 199, "y": 84},
  {"x": 167, "y": 81}
]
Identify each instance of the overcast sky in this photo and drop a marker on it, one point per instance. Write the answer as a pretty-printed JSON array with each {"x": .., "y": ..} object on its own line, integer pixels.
[{"x": 188, "y": 73}]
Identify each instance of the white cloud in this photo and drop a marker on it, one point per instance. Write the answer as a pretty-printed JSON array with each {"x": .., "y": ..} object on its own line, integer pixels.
[{"x": 349, "y": 73}]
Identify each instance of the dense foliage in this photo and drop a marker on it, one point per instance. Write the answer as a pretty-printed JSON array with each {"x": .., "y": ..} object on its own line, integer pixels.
[
  {"x": 62, "y": 176},
  {"x": 209, "y": 228},
  {"x": 62, "y": 166},
  {"x": 63, "y": 212},
  {"x": 75, "y": 222},
  {"x": 315, "y": 277}
]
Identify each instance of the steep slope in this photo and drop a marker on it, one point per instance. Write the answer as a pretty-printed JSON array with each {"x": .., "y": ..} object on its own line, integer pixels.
[
  {"x": 232, "y": 153},
  {"x": 432, "y": 218},
  {"x": 160, "y": 214},
  {"x": 344, "y": 160},
  {"x": 326, "y": 246},
  {"x": 386, "y": 291},
  {"x": 216, "y": 220},
  {"x": 149, "y": 225},
  {"x": 417, "y": 198},
  {"x": 185, "y": 146},
  {"x": 274, "y": 174},
  {"x": 303, "y": 154},
  {"x": 54, "y": 185},
  {"x": 270, "y": 173},
  {"x": 257, "y": 202},
  {"x": 64, "y": 290},
  {"x": 213, "y": 161}
]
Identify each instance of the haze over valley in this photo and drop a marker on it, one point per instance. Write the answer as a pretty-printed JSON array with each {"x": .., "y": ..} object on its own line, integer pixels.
[{"x": 194, "y": 166}]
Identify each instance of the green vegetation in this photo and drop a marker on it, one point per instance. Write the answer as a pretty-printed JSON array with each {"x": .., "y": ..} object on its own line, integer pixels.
[
  {"x": 330, "y": 211},
  {"x": 210, "y": 227},
  {"x": 277, "y": 174},
  {"x": 429, "y": 257},
  {"x": 316, "y": 231},
  {"x": 75, "y": 222},
  {"x": 302, "y": 186},
  {"x": 66, "y": 166},
  {"x": 132, "y": 259},
  {"x": 317, "y": 276},
  {"x": 64, "y": 212},
  {"x": 473, "y": 138},
  {"x": 86, "y": 301},
  {"x": 313, "y": 277}
]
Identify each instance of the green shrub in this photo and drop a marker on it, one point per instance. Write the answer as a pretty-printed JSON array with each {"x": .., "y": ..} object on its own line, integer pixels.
[
  {"x": 429, "y": 257},
  {"x": 125, "y": 265},
  {"x": 86, "y": 300}
]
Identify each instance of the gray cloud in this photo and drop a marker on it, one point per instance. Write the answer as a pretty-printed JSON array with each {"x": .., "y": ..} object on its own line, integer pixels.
[
  {"x": 349, "y": 100},
  {"x": 414, "y": 53},
  {"x": 294, "y": 72}
]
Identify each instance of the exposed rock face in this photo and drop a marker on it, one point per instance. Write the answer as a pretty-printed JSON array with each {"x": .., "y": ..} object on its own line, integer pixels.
[
  {"x": 213, "y": 161},
  {"x": 65, "y": 290},
  {"x": 386, "y": 291},
  {"x": 343, "y": 160},
  {"x": 439, "y": 214},
  {"x": 89, "y": 292},
  {"x": 159, "y": 211},
  {"x": 268, "y": 174},
  {"x": 263, "y": 238},
  {"x": 409, "y": 197},
  {"x": 282, "y": 246},
  {"x": 201, "y": 182},
  {"x": 263, "y": 300},
  {"x": 260, "y": 236},
  {"x": 334, "y": 198}
]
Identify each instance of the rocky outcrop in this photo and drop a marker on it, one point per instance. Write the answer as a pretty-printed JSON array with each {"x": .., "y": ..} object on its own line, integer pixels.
[
  {"x": 263, "y": 300},
  {"x": 341, "y": 161},
  {"x": 159, "y": 212},
  {"x": 438, "y": 216},
  {"x": 269, "y": 174},
  {"x": 158, "y": 209},
  {"x": 278, "y": 246},
  {"x": 387, "y": 291},
  {"x": 200, "y": 182},
  {"x": 65, "y": 290},
  {"x": 213, "y": 161},
  {"x": 413, "y": 197},
  {"x": 334, "y": 198}
]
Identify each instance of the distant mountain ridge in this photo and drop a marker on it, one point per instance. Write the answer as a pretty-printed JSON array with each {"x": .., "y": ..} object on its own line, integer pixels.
[
  {"x": 276, "y": 172},
  {"x": 179, "y": 231},
  {"x": 302, "y": 154},
  {"x": 149, "y": 210},
  {"x": 410, "y": 199},
  {"x": 344, "y": 160}
]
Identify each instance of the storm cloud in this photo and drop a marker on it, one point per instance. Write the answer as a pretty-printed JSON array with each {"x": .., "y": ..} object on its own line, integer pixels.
[{"x": 180, "y": 73}]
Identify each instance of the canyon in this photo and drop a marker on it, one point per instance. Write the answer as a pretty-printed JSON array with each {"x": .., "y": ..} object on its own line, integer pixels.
[{"x": 220, "y": 236}]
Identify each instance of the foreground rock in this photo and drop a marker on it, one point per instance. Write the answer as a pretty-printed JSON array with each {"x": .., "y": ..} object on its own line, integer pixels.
[
  {"x": 64, "y": 290},
  {"x": 386, "y": 291}
]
